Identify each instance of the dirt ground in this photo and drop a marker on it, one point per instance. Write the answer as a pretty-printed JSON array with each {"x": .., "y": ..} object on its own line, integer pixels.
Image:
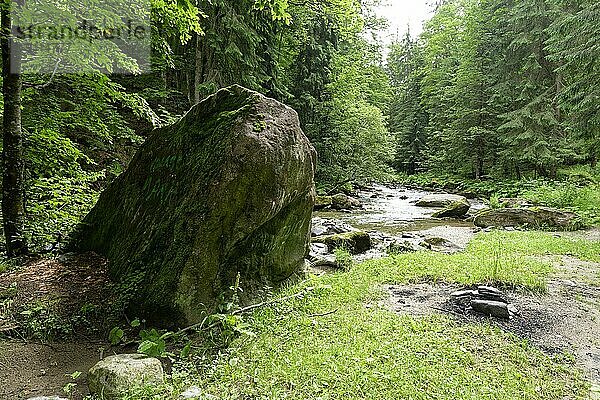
[
  {"x": 29, "y": 369},
  {"x": 58, "y": 289},
  {"x": 566, "y": 319}
]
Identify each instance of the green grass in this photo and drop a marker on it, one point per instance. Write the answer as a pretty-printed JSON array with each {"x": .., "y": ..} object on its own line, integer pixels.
[{"x": 360, "y": 350}]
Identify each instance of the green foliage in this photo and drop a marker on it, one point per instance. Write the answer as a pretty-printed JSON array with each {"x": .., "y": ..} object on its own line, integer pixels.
[
  {"x": 584, "y": 200},
  {"x": 153, "y": 343},
  {"x": 343, "y": 258},
  {"x": 115, "y": 335},
  {"x": 498, "y": 88},
  {"x": 41, "y": 321}
]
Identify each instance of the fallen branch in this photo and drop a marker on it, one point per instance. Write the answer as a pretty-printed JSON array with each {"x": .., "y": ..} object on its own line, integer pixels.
[
  {"x": 323, "y": 314},
  {"x": 274, "y": 301},
  {"x": 199, "y": 327}
]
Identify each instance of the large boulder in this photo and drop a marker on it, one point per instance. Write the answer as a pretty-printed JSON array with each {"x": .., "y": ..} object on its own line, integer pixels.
[
  {"x": 114, "y": 376},
  {"x": 228, "y": 189},
  {"x": 535, "y": 217},
  {"x": 337, "y": 202},
  {"x": 440, "y": 200}
]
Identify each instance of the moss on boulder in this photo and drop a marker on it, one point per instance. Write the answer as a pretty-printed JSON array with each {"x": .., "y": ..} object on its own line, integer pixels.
[
  {"x": 338, "y": 202},
  {"x": 440, "y": 200},
  {"x": 457, "y": 209},
  {"x": 228, "y": 189},
  {"x": 355, "y": 242}
]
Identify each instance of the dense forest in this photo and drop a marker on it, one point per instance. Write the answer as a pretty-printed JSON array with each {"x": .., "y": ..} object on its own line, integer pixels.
[
  {"x": 490, "y": 88},
  {"x": 273, "y": 199}
]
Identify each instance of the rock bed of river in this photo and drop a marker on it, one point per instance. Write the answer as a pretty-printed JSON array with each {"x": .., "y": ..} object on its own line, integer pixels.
[{"x": 389, "y": 214}]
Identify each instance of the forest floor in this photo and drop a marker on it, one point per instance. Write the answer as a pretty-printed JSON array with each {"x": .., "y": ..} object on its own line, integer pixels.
[
  {"x": 41, "y": 304},
  {"x": 370, "y": 343}
]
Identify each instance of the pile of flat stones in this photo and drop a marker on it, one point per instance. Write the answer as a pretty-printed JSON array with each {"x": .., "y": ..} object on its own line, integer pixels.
[{"x": 485, "y": 300}]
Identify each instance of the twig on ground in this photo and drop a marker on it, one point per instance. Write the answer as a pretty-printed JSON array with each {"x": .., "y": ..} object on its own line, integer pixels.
[
  {"x": 201, "y": 327},
  {"x": 324, "y": 314}
]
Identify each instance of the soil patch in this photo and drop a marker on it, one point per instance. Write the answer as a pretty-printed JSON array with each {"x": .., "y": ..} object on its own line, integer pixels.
[
  {"x": 63, "y": 303},
  {"x": 566, "y": 319},
  {"x": 35, "y": 369},
  {"x": 73, "y": 290}
]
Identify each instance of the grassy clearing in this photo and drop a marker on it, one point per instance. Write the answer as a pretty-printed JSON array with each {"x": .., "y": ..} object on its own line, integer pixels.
[{"x": 338, "y": 342}]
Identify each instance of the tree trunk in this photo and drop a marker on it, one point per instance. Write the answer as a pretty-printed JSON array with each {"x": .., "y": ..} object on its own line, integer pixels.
[{"x": 13, "y": 193}]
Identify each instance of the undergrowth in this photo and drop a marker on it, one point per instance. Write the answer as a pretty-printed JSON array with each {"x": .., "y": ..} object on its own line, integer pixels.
[{"x": 575, "y": 188}]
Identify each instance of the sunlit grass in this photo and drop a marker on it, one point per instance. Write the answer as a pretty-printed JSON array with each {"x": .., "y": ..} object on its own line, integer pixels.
[{"x": 340, "y": 342}]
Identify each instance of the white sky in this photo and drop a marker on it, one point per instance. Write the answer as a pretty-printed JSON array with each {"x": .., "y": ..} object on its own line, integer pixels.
[{"x": 403, "y": 14}]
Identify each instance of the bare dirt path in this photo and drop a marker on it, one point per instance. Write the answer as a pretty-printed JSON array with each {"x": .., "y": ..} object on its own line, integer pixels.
[{"x": 29, "y": 369}]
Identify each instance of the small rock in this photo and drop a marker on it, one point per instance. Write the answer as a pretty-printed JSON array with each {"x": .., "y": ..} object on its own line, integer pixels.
[
  {"x": 339, "y": 202},
  {"x": 489, "y": 290},
  {"x": 436, "y": 241},
  {"x": 402, "y": 247},
  {"x": 513, "y": 310},
  {"x": 115, "y": 375},
  {"x": 195, "y": 393},
  {"x": 457, "y": 209},
  {"x": 318, "y": 250},
  {"x": 491, "y": 308},
  {"x": 323, "y": 227},
  {"x": 47, "y": 398},
  {"x": 409, "y": 235},
  {"x": 440, "y": 200},
  {"x": 355, "y": 242},
  {"x": 328, "y": 261},
  {"x": 491, "y": 293},
  {"x": 464, "y": 293}
]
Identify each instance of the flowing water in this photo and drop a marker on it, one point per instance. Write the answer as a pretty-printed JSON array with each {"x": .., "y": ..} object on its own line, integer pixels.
[{"x": 392, "y": 211}]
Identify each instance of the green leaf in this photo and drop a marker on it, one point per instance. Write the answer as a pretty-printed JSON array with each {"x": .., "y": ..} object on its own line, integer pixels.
[{"x": 116, "y": 335}]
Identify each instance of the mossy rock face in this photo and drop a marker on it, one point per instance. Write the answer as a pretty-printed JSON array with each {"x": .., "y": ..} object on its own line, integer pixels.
[
  {"x": 440, "y": 200},
  {"x": 458, "y": 209},
  {"x": 227, "y": 189},
  {"x": 355, "y": 242},
  {"x": 339, "y": 201},
  {"x": 533, "y": 217}
]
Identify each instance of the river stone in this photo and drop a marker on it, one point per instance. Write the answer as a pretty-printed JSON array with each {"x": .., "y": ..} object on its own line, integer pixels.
[
  {"x": 400, "y": 247},
  {"x": 536, "y": 217},
  {"x": 112, "y": 377},
  {"x": 228, "y": 189},
  {"x": 338, "y": 202},
  {"x": 514, "y": 202},
  {"x": 458, "y": 209},
  {"x": 441, "y": 200},
  {"x": 355, "y": 242},
  {"x": 324, "y": 227}
]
